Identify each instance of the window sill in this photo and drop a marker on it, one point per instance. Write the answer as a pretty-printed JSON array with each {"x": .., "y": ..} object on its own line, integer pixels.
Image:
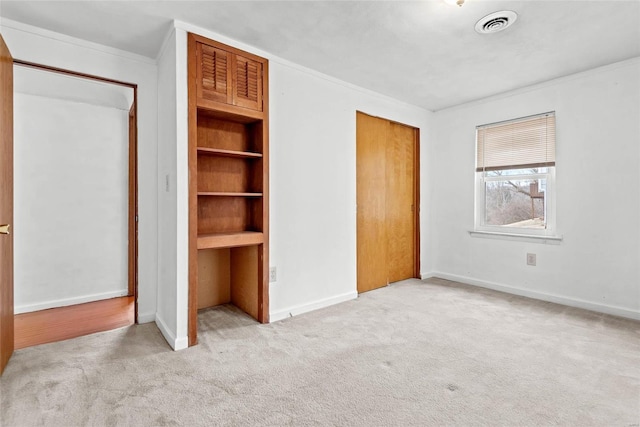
[{"x": 549, "y": 240}]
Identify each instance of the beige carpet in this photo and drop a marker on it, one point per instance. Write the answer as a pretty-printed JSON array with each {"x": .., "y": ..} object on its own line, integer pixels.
[{"x": 414, "y": 353}]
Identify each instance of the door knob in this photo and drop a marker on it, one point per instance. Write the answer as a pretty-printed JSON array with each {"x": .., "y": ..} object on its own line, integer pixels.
[{"x": 4, "y": 229}]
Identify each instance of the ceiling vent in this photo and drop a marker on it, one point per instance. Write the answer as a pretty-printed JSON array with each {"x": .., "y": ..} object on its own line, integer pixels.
[{"x": 496, "y": 21}]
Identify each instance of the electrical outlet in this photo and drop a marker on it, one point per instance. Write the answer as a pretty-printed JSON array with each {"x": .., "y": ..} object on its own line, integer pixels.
[
  {"x": 272, "y": 274},
  {"x": 531, "y": 259}
]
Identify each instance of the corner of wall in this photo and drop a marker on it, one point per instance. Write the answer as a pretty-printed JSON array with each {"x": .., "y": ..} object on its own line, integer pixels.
[
  {"x": 147, "y": 317},
  {"x": 176, "y": 343},
  {"x": 427, "y": 275}
]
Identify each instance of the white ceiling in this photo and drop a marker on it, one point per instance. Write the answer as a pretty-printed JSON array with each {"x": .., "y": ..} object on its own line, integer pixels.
[{"x": 422, "y": 52}]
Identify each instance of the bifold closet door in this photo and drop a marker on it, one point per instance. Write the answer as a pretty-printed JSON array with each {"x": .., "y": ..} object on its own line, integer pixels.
[
  {"x": 371, "y": 202},
  {"x": 399, "y": 197},
  {"x": 386, "y": 198}
]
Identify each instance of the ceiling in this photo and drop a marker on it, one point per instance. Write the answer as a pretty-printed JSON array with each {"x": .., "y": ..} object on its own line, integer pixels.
[{"x": 422, "y": 52}]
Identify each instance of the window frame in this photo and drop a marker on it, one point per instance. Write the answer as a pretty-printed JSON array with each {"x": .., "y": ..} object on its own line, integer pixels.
[
  {"x": 550, "y": 204},
  {"x": 481, "y": 179}
]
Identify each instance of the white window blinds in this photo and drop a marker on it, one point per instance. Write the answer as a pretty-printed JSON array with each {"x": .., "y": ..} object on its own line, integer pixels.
[{"x": 517, "y": 144}]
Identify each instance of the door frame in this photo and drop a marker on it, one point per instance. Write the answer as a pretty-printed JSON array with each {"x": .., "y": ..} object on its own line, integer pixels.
[
  {"x": 416, "y": 189},
  {"x": 132, "y": 215},
  {"x": 416, "y": 200}
]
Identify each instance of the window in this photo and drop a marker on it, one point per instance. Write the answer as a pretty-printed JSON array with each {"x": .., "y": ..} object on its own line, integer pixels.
[{"x": 515, "y": 176}]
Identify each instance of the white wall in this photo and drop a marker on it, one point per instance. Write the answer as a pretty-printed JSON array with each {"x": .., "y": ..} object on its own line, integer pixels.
[
  {"x": 597, "y": 264},
  {"x": 312, "y": 182},
  {"x": 45, "y": 47},
  {"x": 71, "y": 202},
  {"x": 173, "y": 199}
]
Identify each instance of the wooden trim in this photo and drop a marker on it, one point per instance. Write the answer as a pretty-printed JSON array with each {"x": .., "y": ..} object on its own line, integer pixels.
[
  {"x": 131, "y": 215},
  {"x": 72, "y": 73},
  {"x": 263, "y": 255},
  {"x": 192, "y": 70},
  {"x": 133, "y": 201},
  {"x": 62, "y": 323},
  {"x": 416, "y": 202}
]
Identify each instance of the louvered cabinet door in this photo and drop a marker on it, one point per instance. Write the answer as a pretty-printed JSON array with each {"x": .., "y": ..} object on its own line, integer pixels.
[
  {"x": 248, "y": 83},
  {"x": 215, "y": 81}
]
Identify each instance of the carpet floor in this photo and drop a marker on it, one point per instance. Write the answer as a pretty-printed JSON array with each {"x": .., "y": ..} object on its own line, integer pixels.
[{"x": 416, "y": 353}]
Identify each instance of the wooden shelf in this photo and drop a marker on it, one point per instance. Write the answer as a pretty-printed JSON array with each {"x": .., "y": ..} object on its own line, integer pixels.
[
  {"x": 228, "y": 153},
  {"x": 227, "y": 194},
  {"x": 228, "y": 112},
  {"x": 228, "y": 240}
]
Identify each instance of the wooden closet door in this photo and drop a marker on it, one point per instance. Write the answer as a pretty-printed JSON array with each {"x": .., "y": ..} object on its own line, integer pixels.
[
  {"x": 400, "y": 202},
  {"x": 371, "y": 202},
  {"x": 387, "y": 196}
]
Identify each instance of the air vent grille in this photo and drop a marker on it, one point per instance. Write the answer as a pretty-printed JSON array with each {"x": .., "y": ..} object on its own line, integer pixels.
[{"x": 496, "y": 21}]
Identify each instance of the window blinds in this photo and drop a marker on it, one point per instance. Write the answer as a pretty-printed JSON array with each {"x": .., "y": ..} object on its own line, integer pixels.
[{"x": 517, "y": 144}]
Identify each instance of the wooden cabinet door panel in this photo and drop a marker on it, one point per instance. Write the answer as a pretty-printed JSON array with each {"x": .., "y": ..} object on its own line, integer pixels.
[
  {"x": 228, "y": 77},
  {"x": 214, "y": 74},
  {"x": 247, "y": 87}
]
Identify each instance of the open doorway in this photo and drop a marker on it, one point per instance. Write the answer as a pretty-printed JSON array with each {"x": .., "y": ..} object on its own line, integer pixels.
[{"x": 75, "y": 207}]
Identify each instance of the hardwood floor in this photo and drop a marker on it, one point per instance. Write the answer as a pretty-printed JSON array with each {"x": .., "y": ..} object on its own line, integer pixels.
[{"x": 57, "y": 324}]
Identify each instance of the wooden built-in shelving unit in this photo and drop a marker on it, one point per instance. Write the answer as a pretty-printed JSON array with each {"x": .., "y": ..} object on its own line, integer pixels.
[{"x": 228, "y": 179}]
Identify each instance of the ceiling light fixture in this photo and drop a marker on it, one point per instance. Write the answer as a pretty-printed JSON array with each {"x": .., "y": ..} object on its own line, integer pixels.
[
  {"x": 454, "y": 2},
  {"x": 496, "y": 21}
]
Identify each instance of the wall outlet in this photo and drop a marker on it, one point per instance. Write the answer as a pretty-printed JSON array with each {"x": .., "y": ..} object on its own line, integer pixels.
[
  {"x": 531, "y": 259},
  {"x": 272, "y": 274}
]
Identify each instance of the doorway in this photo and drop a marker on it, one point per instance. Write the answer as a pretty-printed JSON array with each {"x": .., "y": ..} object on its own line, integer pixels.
[
  {"x": 75, "y": 207},
  {"x": 387, "y": 187}
]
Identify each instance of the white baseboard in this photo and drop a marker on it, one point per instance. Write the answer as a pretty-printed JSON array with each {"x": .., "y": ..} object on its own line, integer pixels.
[
  {"x": 146, "y": 317},
  {"x": 571, "y": 302},
  {"x": 175, "y": 343},
  {"x": 181, "y": 343},
  {"x": 44, "y": 305},
  {"x": 315, "y": 305},
  {"x": 427, "y": 275}
]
